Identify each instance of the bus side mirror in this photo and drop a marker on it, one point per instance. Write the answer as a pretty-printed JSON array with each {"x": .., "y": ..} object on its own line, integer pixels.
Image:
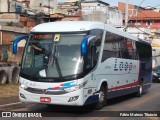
[
  {"x": 84, "y": 44},
  {"x": 16, "y": 41}
]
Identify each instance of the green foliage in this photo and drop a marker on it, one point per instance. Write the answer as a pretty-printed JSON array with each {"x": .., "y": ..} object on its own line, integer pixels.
[
  {"x": 10, "y": 23},
  {"x": 77, "y": 4}
]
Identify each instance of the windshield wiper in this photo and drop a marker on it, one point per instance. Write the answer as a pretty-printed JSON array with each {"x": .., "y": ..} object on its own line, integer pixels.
[
  {"x": 53, "y": 59},
  {"x": 58, "y": 68}
]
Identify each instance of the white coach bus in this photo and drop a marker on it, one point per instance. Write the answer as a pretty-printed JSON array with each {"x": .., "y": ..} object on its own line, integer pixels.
[{"x": 78, "y": 63}]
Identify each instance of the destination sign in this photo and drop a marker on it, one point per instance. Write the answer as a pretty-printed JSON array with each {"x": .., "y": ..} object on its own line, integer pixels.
[{"x": 43, "y": 36}]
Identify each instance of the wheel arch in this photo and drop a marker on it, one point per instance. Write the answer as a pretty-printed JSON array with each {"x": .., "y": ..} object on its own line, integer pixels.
[
  {"x": 141, "y": 80},
  {"x": 103, "y": 83}
]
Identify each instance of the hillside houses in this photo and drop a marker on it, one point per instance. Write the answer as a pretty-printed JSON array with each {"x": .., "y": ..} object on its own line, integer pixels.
[
  {"x": 17, "y": 17},
  {"x": 144, "y": 18}
]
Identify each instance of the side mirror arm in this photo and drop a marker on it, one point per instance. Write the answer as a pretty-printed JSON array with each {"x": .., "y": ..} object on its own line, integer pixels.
[
  {"x": 16, "y": 41},
  {"x": 84, "y": 44}
]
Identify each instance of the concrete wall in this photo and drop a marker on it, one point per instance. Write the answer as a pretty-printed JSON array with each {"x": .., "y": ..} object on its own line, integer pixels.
[
  {"x": 94, "y": 16},
  {"x": 88, "y": 8},
  {"x": 8, "y": 34},
  {"x": 94, "y": 12},
  {"x": 142, "y": 33},
  {"x": 155, "y": 57},
  {"x": 115, "y": 17},
  {"x": 6, "y": 38},
  {"x": 14, "y": 29},
  {"x": 102, "y": 13},
  {"x": 71, "y": 19},
  {"x": 36, "y": 3},
  {"x": 9, "y": 17},
  {"x": 156, "y": 41},
  {"x": 4, "y": 7},
  {"x": 122, "y": 6},
  {"x": 9, "y": 74}
]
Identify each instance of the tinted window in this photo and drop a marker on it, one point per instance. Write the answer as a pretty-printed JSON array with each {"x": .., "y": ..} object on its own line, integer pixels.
[
  {"x": 109, "y": 49},
  {"x": 119, "y": 46},
  {"x": 130, "y": 49},
  {"x": 94, "y": 49},
  {"x": 114, "y": 46},
  {"x": 144, "y": 50}
]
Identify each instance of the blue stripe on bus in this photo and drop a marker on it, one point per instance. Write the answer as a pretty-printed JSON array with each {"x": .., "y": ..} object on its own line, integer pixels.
[
  {"x": 111, "y": 94},
  {"x": 91, "y": 99},
  {"x": 121, "y": 92},
  {"x": 117, "y": 93}
]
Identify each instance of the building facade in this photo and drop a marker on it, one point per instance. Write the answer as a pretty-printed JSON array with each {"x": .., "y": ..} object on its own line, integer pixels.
[
  {"x": 10, "y": 6},
  {"x": 143, "y": 18},
  {"x": 43, "y": 5},
  {"x": 102, "y": 12}
]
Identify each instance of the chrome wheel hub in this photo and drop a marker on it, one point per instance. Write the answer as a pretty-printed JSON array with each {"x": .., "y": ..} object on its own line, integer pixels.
[
  {"x": 101, "y": 96},
  {"x": 140, "y": 89}
]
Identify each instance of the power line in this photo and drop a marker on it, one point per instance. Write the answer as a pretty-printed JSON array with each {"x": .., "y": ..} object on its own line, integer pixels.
[
  {"x": 144, "y": 14},
  {"x": 125, "y": 28},
  {"x": 136, "y": 19},
  {"x": 139, "y": 7},
  {"x": 158, "y": 4},
  {"x": 140, "y": 4},
  {"x": 155, "y": 6},
  {"x": 142, "y": 31}
]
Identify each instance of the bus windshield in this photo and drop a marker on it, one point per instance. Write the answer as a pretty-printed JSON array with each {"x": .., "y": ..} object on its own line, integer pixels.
[{"x": 53, "y": 55}]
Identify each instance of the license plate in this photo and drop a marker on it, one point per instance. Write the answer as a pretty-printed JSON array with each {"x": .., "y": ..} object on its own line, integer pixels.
[{"x": 45, "y": 99}]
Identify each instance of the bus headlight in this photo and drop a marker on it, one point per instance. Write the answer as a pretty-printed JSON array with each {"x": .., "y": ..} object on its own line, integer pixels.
[
  {"x": 73, "y": 88},
  {"x": 76, "y": 87},
  {"x": 23, "y": 86}
]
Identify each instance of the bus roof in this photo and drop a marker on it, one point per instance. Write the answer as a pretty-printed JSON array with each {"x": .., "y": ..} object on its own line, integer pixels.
[
  {"x": 67, "y": 26},
  {"x": 77, "y": 26}
]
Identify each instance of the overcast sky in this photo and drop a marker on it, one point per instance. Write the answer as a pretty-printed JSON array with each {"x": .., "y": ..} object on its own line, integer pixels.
[{"x": 145, "y": 3}]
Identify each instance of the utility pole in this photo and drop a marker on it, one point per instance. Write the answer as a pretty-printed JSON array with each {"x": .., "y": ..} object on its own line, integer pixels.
[
  {"x": 8, "y": 3},
  {"x": 49, "y": 6},
  {"x": 126, "y": 15},
  {"x": 49, "y": 9}
]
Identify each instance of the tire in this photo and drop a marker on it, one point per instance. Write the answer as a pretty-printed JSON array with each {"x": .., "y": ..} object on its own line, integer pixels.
[
  {"x": 153, "y": 81},
  {"x": 3, "y": 77},
  {"x": 49, "y": 105},
  {"x": 140, "y": 90},
  {"x": 15, "y": 76},
  {"x": 102, "y": 98}
]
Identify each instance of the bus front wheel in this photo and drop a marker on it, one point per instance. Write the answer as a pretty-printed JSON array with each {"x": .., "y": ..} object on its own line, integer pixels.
[
  {"x": 102, "y": 98},
  {"x": 140, "y": 90}
]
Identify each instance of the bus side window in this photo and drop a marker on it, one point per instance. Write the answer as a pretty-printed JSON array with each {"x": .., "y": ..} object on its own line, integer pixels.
[
  {"x": 135, "y": 53},
  {"x": 96, "y": 52},
  {"x": 144, "y": 48},
  {"x": 109, "y": 47},
  {"x": 92, "y": 56},
  {"x": 96, "y": 48}
]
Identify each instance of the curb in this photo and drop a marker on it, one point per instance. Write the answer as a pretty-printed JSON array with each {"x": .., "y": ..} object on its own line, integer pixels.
[{"x": 11, "y": 105}]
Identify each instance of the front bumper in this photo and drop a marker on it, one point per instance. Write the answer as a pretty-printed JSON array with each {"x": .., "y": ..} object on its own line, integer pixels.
[{"x": 55, "y": 99}]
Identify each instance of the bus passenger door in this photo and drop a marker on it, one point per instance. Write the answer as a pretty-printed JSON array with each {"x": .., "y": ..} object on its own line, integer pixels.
[
  {"x": 92, "y": 58},
  {"x": 90, "y": 48}
]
